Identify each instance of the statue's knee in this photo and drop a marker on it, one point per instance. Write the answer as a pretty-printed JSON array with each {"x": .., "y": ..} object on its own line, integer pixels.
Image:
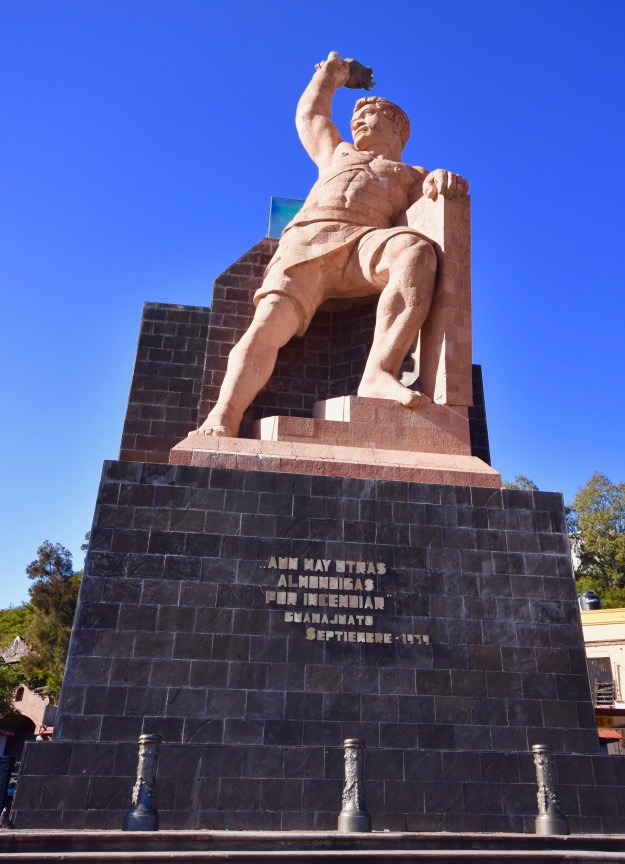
[
  {"x": 420, "y": 254},
  {"x": 412, "y": 252},
  {"x": 276, "y": 320}
]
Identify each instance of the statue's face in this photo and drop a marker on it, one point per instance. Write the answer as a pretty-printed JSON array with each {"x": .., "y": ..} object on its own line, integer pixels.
[{"x": 373, "y": 125}]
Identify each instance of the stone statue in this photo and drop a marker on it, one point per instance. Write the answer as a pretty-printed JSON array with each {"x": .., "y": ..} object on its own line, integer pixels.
[{"x": 350, "y": 239}]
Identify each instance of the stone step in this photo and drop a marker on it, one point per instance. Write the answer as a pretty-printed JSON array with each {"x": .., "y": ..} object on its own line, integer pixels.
[
  {"x": 296, "y": 847},
  {"x": 296, "y": 457},
  {"x": 294, "y": 857},
  {"x": 353, "y": 421}
]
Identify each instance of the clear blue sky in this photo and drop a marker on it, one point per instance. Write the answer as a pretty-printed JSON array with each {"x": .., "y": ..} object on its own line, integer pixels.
[{"x": 140, "y": 141}]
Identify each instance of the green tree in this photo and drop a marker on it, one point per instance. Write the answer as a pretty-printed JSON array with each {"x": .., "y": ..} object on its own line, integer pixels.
[
  {"x": 53, "y": 596},
  {"x": 10, "y": 677},
  {"x": 522, "y": 482},
  {"x": 597, "y": 526},
  {"x": 14, "y": 621}
]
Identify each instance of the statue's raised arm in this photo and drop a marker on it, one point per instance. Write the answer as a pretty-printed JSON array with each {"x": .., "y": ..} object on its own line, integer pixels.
[{"x": 316, "y": 130}]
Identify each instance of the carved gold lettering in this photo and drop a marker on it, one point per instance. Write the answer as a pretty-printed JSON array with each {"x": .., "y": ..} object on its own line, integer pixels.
[
  {"x": 381, "y": 568},
  {"x": 272, "y": 564}
]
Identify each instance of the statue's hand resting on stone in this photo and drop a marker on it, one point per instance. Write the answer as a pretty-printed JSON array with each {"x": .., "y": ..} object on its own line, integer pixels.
[{"x": 441, "y": 182}]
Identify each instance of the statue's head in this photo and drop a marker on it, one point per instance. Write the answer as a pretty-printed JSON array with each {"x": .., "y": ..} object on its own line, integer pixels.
[{"x": 398, "y": 125}]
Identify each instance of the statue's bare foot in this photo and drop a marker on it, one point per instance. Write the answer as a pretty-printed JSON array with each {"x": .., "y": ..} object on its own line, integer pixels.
[
  {"x": 384, "y": 386},
  {"x": 218, "y": 426}
]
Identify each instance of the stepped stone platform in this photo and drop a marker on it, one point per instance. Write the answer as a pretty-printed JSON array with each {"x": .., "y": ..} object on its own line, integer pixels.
[
  {"x": 98, "y": 847},
  {"x": 356, "y": 437}
]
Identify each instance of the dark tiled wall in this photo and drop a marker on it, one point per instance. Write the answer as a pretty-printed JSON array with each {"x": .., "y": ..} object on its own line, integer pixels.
[
  {"x": 165, "y": 389},
  {"x": 478, "y": 426},
  {"x": 173, "y": 635}
]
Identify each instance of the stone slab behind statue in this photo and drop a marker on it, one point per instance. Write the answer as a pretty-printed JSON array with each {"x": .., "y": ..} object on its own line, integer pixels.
[{"x": 181, "y": 630}]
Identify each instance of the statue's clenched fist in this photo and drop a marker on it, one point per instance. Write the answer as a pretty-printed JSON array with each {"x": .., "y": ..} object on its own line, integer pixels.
[
  {"x": 445, "y": 183},
  {"x": 335, "y": 69}
]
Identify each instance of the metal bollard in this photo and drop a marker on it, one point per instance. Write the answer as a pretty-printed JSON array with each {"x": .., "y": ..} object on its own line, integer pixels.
[
  {"x": 550, "y": 819},
  {"x": 143, "y": 815},
  {"x": 354, "y": 816}
]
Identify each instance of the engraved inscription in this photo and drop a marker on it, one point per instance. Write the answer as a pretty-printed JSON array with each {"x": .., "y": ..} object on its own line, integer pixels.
[{"x": 346, "y": 598}]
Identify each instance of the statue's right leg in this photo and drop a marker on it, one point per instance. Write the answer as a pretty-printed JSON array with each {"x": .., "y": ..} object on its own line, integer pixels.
[{"x": 251, "y": 362}]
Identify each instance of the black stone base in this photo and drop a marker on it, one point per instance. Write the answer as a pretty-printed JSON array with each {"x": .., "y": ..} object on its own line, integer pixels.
[
  {"x": 252, "y": 787},
  {"x": 451, "y": 643}
]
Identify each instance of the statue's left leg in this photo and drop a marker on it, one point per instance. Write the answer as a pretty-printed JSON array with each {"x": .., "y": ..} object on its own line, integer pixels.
[{"x": 407, "y": 270}]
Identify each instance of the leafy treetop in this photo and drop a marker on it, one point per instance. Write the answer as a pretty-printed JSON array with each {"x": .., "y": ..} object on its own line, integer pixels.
[{"x": 597, "y": 526}]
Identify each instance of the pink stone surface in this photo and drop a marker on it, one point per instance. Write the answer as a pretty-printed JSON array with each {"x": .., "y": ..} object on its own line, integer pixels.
[
  {"x": 443, "y": 353},
  {"x": 375, "y": 423},
  {"x": 334, "y": 460}
]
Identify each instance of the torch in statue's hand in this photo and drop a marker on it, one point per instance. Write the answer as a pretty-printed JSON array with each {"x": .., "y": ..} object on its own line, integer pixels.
[
  {"x": 347, "y": 73},
  {"x": 360, "y": 77}
]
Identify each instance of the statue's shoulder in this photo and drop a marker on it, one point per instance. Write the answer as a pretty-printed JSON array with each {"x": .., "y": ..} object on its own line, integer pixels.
[{"x": 419, "y": 172}]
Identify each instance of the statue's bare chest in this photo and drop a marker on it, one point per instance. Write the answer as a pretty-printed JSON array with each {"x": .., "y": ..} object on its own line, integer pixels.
[{"x": 363, "y": 178}]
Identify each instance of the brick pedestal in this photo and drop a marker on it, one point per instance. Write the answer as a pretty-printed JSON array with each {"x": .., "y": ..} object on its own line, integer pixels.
[{"x": 445, "y": 633}]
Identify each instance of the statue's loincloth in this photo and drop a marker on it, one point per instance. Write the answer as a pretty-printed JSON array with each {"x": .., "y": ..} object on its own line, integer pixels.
[{"x": 310, "y": 263}]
